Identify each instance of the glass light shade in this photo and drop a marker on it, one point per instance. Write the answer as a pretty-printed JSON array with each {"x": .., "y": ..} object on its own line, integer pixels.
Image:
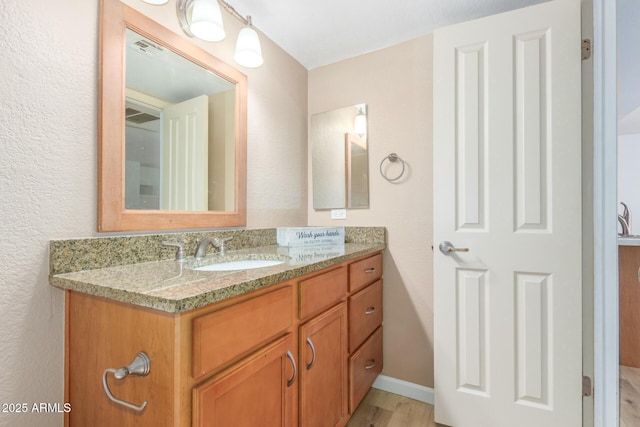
[
  {"x": 248, "y": 51},
  {"x": 360, "y": 125},
  {"x": 156, "y": 2},
  {"x": 206, "y": 21}
]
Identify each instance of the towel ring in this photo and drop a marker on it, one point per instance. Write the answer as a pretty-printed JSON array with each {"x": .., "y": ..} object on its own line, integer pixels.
[{"x": 393, "y": 157}]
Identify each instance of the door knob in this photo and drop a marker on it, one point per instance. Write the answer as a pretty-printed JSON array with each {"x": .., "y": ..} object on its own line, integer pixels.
[{"x": 447, "y": 248}]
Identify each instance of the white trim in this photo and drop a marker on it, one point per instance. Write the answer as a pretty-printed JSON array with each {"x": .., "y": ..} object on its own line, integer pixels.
[
  {"x": 405, "y": 388},
  {"x": 605, "y": 211}
]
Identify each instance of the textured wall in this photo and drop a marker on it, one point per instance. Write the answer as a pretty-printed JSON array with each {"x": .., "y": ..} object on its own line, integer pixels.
[
  {"x": 48, "y": 170},
  {"x": 47, "y": 186},
  {"x": 395, "y": 83}
]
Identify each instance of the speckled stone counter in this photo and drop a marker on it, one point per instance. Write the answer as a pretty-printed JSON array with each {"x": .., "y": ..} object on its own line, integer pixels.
[{"x": 174, "y": 286}]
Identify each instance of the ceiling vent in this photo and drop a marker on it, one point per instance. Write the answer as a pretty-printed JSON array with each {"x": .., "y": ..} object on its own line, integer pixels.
[
  {"x": 148, "y": 47},
  {"x": 139, "y": 117}
]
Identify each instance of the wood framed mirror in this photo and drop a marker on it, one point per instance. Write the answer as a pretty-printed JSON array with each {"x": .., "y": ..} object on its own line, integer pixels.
[{"x": 159, "y": 169}]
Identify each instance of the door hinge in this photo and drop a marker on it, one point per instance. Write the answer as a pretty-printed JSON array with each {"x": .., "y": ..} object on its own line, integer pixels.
[
  {"x": 586, "y": 386},
  {"x": 586, "y": 49}
]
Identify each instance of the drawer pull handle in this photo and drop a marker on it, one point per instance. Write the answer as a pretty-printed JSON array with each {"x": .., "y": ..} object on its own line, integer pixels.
[
  {"x": 313, "y": 354},
  {"x": 370, "y": 270},
  {"x": 295, "y": 370},
  {"x": 371, "y": 364},
  {"x": 139, "y": 367},
  {"x": 369, "y": 311}
]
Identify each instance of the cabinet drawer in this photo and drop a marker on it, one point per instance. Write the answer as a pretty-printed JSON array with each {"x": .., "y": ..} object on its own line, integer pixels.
[
  {"x": 322, "y": 291},
  {"x": 365, "y": 314},
  {"x": 365, "y": 271},
  {"x": 364, "y": 367},
  {"x": 224, "y": 335}
]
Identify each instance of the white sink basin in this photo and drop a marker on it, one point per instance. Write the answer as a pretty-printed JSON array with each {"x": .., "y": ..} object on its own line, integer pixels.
[{"x": 247, "y": 264}]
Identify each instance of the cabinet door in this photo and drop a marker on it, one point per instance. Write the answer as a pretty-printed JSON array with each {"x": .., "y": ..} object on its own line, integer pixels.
[
  {"x": 258, "y": 391},
  {"x": 323, "y": 369},
  {"x": 629, "y": 260}
]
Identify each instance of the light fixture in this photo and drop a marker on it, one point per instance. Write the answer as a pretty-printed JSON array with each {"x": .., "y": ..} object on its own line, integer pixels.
[
  {"x": 360, "y": 125},
  {"x": 248, "y": 51},
  {"x": 203, "y": 19},
  {"x": 156, "y": 2}
]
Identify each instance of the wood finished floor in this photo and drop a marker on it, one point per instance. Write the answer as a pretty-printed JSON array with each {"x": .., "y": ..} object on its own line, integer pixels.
[
  {"x": 382, "y": 409},
  {"x": 629, "y": 397}
]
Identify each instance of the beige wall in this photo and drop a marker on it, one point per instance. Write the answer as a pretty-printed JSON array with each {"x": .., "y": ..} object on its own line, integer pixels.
[
  {"x": 48, "y": 170},
  {"x": 396, "y": 84}
]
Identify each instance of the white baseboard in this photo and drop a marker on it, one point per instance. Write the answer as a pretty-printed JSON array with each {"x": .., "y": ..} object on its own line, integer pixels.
[{"x": 405, "y": 388}]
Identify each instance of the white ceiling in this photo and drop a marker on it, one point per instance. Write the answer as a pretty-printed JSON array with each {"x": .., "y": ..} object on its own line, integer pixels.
[{"x": 321, "y": 32}]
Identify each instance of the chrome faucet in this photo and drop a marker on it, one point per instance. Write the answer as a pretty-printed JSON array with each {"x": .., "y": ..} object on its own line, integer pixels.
[
  {"x": 179, "y": 245},
  {"x": 625, "y": 220},
  {"x": 201, "y": 250}
]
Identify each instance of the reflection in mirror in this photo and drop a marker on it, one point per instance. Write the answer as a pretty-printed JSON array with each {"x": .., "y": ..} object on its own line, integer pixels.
[
  {"x": 172, "y": 135},
  {"x": 179, "y": 132},
  {"x": 340, "y": 161}
]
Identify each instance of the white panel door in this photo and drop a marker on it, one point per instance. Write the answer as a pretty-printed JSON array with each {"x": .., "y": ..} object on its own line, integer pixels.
[
  {"x": 507, "y": 186},
  {"x": 185, "y": 148}
]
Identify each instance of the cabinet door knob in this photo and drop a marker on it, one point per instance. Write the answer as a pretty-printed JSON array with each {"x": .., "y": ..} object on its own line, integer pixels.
[
  {"x": 313, "y": 354},
  {"x": 295, "y": 369},
  {"x": 369, "y": 311},
  {"x": 371, "y": 364}
]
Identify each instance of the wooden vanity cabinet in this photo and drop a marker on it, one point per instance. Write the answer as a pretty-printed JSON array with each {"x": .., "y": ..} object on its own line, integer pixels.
[
  {"x": 279, "y": 356},
  {"x": 629, "y": 278}
]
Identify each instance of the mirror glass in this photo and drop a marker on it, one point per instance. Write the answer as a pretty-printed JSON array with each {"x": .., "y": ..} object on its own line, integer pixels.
[
  {"x": 172, "y": 136},
  {"x": 340, "y": 161},
  {"x": 179, "y": 131}
]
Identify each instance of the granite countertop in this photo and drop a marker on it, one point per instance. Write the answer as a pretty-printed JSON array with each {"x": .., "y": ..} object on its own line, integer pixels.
[
  {"x": 175, "y": 287},
  {"x": 633, "y": 240}
]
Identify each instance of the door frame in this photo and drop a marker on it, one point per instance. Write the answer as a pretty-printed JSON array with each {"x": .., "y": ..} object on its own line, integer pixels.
[{"x": 605, "y": 320}]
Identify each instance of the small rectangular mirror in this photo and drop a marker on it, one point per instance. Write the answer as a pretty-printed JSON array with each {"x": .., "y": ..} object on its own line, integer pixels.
[{"x": 340, "y": 161}]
